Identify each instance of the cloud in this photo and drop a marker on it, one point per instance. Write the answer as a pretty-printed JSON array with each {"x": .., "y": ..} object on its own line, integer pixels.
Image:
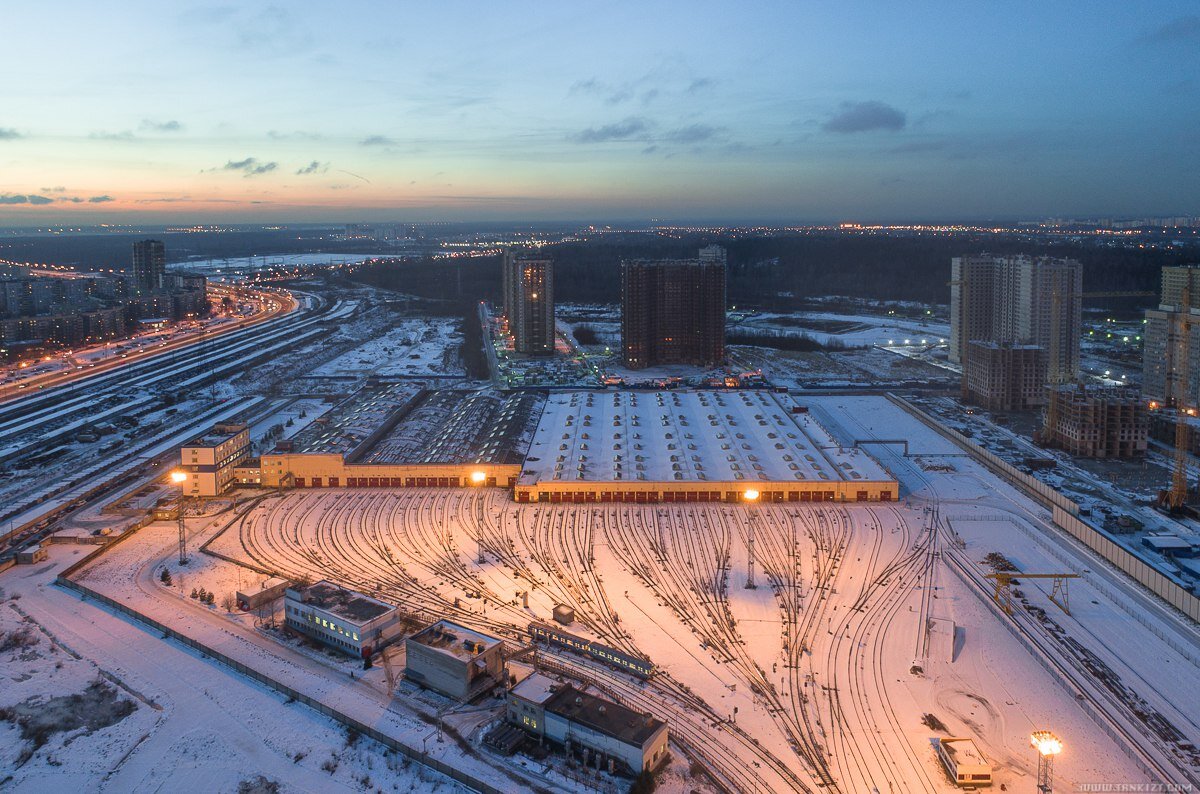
[
  {"x": 694, "y": 133},
  {"x": 148, "y": 125},
  {"x": 13, "y": 200},
  {"x": 699, "y": 84},
  {"x": 72, "y": 199},
  {"x": 315, "y": 167},
  {"x": 59, "y": 189},
  {"x": 865, "y": 116},
  {"x": 125, "y": 136},
  {"x": 249, "y": 166},
  {"x": 22, "y": 199},
  {"x": 1184, "y": 29},
  {"x": 100, "y": 199},
  {"x": 9, "y": 134},
  {"x": 631, "y": 128},
  {"x": 377, "y": 140}
]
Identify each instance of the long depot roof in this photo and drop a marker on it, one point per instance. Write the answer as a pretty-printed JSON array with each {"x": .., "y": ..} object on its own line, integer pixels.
[{"x": 688, "y": 436}]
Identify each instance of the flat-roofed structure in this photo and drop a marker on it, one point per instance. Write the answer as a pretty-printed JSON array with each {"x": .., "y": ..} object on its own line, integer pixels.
[
  {"x": 676, "y": 446},
  {"x": 1002, "y": 376},
  {"x": 209, "y": 460},
  {"x": 600, "y": 729},
  {"x": 350, "y": 621},
  {"x": 457, "y": 661}
]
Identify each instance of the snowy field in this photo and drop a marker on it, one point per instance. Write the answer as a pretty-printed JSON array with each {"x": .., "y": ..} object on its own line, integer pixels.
[
  {"x": 851, "y": 329},
  {"x": 412, "y": 347}
]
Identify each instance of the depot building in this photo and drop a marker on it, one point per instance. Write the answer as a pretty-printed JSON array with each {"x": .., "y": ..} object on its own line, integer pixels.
[{"x": 580, "y": 446}]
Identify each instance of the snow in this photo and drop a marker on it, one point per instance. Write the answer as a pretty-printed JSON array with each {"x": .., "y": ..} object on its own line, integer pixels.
[{"x": 687, "y": 436}]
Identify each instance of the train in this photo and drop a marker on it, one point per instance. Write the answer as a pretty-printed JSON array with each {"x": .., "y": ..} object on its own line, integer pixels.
[{"x": 550, "y": 635}]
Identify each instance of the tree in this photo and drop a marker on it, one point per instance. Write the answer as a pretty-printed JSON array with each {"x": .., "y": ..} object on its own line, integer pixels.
[
  {"x": 166, "y": 577},
  {"x": 194, "y": 593},
  {"x": 229, "y": 602}
]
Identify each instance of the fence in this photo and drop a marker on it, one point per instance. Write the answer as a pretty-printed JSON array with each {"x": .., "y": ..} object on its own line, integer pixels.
[
  {"x": 451, "y": 772},
  {"x": 1066, "y": 517}
]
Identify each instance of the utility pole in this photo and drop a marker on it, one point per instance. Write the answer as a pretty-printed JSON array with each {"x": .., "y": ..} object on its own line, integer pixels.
[{"x": 750, "y": 496}]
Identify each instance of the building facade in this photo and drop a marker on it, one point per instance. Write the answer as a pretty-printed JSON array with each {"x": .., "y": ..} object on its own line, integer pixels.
[
  {"x": 1006, "y": 377},
  {"x": 149, "y": 265},
  {"x": 1099, "y": 422},
  {"x": 347, "y": 620},
  {"x": 1019, "y": 300},
  {"x": 209, "y": 460},
  {"x": 457, "y": 661},
  {"x": 673, "y": 311},
  {"x": 528, "y": 283},
  {"x": 1169, "y": 331}
]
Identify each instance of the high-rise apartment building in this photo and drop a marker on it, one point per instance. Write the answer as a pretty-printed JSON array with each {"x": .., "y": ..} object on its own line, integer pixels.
[
  {"x": 1018, "y": 300},
  {"x": 529, "y": 301},
  {"x": 1164, "y": 371},
  {"x": 673, "y": 311},
  {"x": 149, "y": 265}
]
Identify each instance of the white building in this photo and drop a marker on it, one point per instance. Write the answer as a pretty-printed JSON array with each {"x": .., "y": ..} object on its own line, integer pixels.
[
  {"x": 209, "y": 460},
  {"x": 344, "y": 619},
  {"x": 454, "y": 660},
  {"x": 602, "y": 732}
]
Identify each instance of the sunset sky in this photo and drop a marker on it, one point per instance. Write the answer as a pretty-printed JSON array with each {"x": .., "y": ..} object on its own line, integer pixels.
[{"x": 783, "y": 111}]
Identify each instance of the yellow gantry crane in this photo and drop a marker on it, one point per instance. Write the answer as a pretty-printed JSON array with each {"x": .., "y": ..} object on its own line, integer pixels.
[{"x": 1059, "y": 594}]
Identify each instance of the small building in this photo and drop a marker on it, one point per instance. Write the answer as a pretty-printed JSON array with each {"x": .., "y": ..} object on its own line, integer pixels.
[
  {"x": 564, "y": 614},
  {"x": 343, "y": 619},
  {"x": 1006, "y": 377},
  {"x": 527, "y": 702},
  {"x": 454, "y": 660},
  {"x": 31, "y": 556},
  {"x": 210, "y": 459},
  {"x": 1170, "y": 545},
  {"x": 268, "y": 590},
  {"x": 601, "y": 731},
  {"x": 964, "y": 761},
  {"x": 248, "y": 473}
]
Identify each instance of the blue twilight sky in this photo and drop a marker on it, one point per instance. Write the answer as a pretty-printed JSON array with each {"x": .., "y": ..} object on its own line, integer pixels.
[{"x": 774, "y": 111}]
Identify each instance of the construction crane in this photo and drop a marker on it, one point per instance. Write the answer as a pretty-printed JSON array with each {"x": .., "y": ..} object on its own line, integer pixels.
[
  {"x": 1057, "y": 376},
  {"x": 1002, "y": 593},
  {"x": 1175, "y": 498}
]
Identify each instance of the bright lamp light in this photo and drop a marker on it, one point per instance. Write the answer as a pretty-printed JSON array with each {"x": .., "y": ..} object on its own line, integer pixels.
[
  {"x": 1045, "y": 743},
  {"x": 478, "y": 477},
  {"x": 178, "y": 476},
  {"x": 750, "y": 495}
]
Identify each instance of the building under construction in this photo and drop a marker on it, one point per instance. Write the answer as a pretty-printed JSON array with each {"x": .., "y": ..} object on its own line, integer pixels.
[
  {"x": 1006, "y": 377},
  {"x": 1096, "y": 422}
]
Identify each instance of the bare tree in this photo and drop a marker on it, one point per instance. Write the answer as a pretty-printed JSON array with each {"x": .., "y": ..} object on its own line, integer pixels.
[{"x": 229, "y": 601}]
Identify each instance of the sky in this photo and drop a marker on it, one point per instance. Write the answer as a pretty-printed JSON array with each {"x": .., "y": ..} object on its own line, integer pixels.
[{"x": 793, "y": 112}]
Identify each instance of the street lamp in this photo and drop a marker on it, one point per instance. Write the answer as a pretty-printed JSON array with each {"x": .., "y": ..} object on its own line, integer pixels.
[
  {"x": 1048, "y": 745},
  {"x": 750, "y": 496},
  {"x": 179, "y": 477},
  {"x": 478, "y": 478}
]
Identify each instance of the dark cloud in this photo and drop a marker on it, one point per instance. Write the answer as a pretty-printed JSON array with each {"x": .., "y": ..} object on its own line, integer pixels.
[
  {"x": 33, "y": 199},
  {"x": 13, "y": 200},
  {"x": 377, "y": 140},
  {"x": 632, "y": 128},
  {"x": 149, "y": 125},
  {"x": 694, "y": 133},
  {"x": 315, "y": 167},
  {"x": 9, "y": 134},
  {"x": 100, "y": 199},
  {"x": 249, "y": 166},
  {"x": 865, "y": 116},
  {"x": 916, "y": 147},
  {"x": 72, "y": 199},
  {"x": 699, "y": 84},
  {"x": 1184, "y": 29}
]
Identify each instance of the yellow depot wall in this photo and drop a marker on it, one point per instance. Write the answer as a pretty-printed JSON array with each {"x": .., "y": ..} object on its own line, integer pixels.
[
  {"x": 693, "y": 491},
  {"x": 326, "y": 471}
]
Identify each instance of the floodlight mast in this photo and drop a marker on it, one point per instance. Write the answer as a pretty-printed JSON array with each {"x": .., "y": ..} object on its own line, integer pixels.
[
  {"x": 1048, "y": 745},
  {"x": 750, "y": 496},
  {"x": 478, "y": 478},
  {"x": 179, "y": 477}
]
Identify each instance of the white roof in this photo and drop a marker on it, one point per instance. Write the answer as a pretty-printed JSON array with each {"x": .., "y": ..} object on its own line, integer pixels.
[{"x": 690, "y": 436}]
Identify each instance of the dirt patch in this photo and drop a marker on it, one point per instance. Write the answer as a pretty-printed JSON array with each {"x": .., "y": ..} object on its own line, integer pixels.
[{"x": 40, "y": 718}]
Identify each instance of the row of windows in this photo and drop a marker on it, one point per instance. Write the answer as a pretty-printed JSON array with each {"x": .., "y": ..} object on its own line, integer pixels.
[
  {"x": 322, "y": 622},
  {"x": 691, "y": 496},
  {"x": 385, "y": 482}
]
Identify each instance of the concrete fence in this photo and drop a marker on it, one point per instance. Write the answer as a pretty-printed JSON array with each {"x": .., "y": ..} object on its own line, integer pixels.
[
  {"x": 449, "y": 771},
  {"x": 1066, "y": 517}
]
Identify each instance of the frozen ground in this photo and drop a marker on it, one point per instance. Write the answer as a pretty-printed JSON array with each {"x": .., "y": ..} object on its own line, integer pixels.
[
  {"x": 195, "y": 725},
  {"x": 417, "y": 346}
]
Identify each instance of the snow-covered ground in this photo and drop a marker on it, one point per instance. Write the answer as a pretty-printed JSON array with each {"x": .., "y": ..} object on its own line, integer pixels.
[
  {"x": 865, "y": 619},
  {"x": 416, "y": 346}
]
